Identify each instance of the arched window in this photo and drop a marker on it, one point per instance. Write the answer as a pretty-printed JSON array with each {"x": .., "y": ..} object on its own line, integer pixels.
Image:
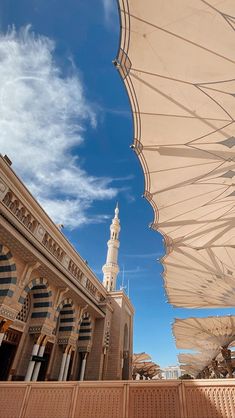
[
  {"x": 85, "y": 331},
  {"x": 66, "y": 317},
  {"x": 41, "y": 298}
]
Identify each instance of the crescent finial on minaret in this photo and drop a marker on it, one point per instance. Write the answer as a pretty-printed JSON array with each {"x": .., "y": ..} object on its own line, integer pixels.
[{"x": 116, "y": 210}]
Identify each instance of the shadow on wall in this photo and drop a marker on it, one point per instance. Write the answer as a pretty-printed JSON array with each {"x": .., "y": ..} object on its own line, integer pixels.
[
  {"x": 172, "y": 399},
  {"x": 209, "y": 398},
  {"x": 145, "y": 399}
]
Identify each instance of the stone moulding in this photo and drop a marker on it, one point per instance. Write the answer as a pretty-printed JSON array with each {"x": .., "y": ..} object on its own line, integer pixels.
[{"x": 13, "y": 203}]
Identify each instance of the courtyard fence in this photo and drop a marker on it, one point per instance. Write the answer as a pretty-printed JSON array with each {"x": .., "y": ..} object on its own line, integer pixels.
[{"x": 119, "y": 399}]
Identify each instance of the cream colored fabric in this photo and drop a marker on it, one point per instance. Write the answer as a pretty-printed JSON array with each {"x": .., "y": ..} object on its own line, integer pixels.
[
  {"x": 200, "y": 277},
  {"x": 205, "y": 334},
  {"x": 177, "y": 59},
  {"x": 141, "y": 366},
  {"x": 194, "y": 363},
  {"x": 138, "y": 357},
  {"x": 197, "y": 358}
]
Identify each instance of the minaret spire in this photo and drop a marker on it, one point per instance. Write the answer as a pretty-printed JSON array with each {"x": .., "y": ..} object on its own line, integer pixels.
[{"x": 111, "y": 268}]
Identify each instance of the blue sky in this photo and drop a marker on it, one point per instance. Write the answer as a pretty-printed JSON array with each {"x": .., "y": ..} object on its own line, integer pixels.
[{"x": 66, "y": 125}]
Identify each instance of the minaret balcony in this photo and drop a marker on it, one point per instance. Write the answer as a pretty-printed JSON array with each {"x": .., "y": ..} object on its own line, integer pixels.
[
  {"x": 110, "y": 267},
  {"x": 113, "y": 243}
]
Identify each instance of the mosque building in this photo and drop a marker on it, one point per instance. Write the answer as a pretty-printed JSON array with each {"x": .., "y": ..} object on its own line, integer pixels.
[{"x": 57, "y": 320}]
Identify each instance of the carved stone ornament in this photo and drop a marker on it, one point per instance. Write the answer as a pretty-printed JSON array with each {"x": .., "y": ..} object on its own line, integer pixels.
[
  {"x": 65, "y": 261},
  {"x": 53, "y": 246},
  {"x": 35, "y": 330},
  {"x": 62, "y": 341},
  {"x": 18, "y": 325},
  {"x": 19, "y": 210},
  {"x": 8, "y": 313},
  {"x": 67, "y": 341},
  {"x": 47, "y": 330},
  {"x": 39, "y": 232},
  {"x": 3, "y": 189}
]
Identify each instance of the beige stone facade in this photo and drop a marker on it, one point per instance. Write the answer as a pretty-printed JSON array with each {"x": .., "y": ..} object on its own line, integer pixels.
[{"x": 57, "y": 321}]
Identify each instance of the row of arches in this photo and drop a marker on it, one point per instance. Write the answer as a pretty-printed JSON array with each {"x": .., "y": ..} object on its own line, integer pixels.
[
  {"x": 52, "y": 335},
  {"x": 37, "y": 303},
  {"x": 36, "y": 297},
  {"x": 39, "y": 308}
]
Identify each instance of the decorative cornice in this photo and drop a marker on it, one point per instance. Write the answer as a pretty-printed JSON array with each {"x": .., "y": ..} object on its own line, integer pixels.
[{"x": 8, "y": 313}]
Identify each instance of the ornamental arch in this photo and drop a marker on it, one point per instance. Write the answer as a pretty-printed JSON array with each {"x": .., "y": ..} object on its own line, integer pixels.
[
  {"x": 8, "y": 338},
  {"x": 65, "y": 316},
  {"x": 65, "y": 342},
  {"x": 35, "y": 320},
  {"x": 41, "y": 298},
  {"x": 85, "y": 330},
  {"x": 8, "y": 273},
  {"x": 85, "y": 335}
]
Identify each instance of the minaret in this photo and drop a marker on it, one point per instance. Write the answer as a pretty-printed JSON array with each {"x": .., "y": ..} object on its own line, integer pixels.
[{"x": 110, "y": 268}]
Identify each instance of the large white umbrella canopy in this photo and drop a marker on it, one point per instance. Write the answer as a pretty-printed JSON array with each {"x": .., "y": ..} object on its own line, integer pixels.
[
  {"x": 177, "y": 60},
  {"x": 209, "y": 333},
  {"x": 199, "y": 359},
  {"x": 200, "y": 277}
]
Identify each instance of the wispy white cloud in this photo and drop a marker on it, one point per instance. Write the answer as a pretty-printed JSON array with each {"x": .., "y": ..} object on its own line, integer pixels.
[
  {"x": 125, "y": 178},
  {"x": 136, "y": 270},
  {"x": 127, "y": 271},
  {"x": 42, "y": 116},
  {"x": 148, "y": 255},
  {"x": 118, "y": 112},
  {"x": 110, "y": 9}
]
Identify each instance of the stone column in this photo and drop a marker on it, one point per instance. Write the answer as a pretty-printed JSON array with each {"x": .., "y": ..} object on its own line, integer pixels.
[
  {"x": 62, "y": 367},
  {"x": 31, "y": 365},
  {"x": 66, "y": 368},
  {"x": 38, "y": 364},
  {"x": 1, "y": 337},
  {"x": 104, "y": 362},
  {"x": 83, "y": 368}
]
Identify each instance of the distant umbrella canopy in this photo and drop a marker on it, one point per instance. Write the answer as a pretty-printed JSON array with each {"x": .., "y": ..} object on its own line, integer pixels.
[
  {"x": 139, "y": 357},
  {"x": 192, "y": 370},
  {"x": 142, "y": 365},
  {"x": 177, "y": 60}
]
